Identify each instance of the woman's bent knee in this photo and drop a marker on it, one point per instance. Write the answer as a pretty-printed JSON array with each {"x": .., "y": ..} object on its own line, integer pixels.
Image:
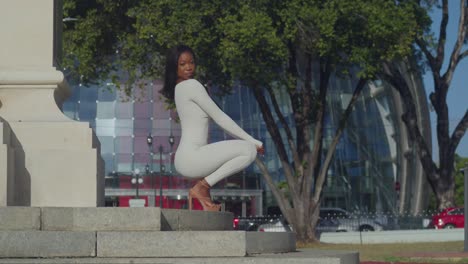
[{"x": 250, "y": 151}]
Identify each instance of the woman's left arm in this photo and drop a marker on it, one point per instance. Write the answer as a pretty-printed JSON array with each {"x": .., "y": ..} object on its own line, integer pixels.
[{"x": 202, "y": 99}]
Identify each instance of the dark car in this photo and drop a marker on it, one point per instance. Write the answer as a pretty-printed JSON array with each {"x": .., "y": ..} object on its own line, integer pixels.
[
  {"x": 449, "y": 218},
  {"x": 275, "y": 225},
  {"x": 250, "y": 223}
]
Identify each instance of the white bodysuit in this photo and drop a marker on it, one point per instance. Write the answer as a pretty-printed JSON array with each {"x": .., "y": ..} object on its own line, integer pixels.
[{"x": 195, "y": 158}]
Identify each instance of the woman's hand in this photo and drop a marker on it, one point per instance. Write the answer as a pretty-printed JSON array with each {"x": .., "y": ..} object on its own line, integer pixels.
[{"x": 260, "y": 150}]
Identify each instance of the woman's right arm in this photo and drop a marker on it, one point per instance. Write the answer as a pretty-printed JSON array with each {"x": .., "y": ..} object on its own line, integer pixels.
[{"x": 199, "y": 95}]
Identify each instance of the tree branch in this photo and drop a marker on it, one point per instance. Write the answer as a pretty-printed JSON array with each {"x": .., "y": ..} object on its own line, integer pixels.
[
  {"x": 276, "y": 136},
  {"x": 447, "y": 77},
  {"x": 336, "y": 139},
  {"x": 431, "y": 59},
  {"x": 462, "y": 56},
  {"x": 281, "y": 199},
  {"x": 315, "y": 157},
  {"x": 395, "y": 78},
  {"x": 283, "y": 122},
  {"x": 459, "y": 132},
  {"x": 442, "y": 35},
  {"x": 302, "y": 130}
]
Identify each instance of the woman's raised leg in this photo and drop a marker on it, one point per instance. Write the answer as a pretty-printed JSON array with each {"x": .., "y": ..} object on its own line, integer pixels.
[{"x": 217, "y": 160}]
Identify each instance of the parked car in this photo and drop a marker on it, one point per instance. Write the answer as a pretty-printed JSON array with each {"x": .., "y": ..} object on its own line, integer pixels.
[
  {"x": 449, "y": 218},
  {"x": 349, "y": 222},
  {"x": 250, "y": 223},
  {"x": 275, "y": 225},
  {"x": 327, "y": 225}
]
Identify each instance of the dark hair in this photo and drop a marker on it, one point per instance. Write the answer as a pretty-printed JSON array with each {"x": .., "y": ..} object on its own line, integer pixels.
[{"x": 170, "y": 76}]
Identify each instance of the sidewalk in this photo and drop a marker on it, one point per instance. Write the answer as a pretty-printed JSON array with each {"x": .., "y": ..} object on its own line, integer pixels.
[{"x": 426, "y": 257}]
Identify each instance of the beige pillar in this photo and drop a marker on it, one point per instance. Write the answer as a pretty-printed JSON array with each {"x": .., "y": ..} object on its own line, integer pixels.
[
  {"x": 7, "y": 166},
  {"x": 56, "y": 159}
]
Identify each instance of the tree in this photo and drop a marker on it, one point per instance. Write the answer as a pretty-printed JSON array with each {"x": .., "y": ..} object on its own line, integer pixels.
[
  {"x": 272, "y": 47},
  {"x": 440, "y": 175}
]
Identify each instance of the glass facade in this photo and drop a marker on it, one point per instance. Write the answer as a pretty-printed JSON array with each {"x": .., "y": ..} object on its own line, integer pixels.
[{"x": 136, "y": 133}]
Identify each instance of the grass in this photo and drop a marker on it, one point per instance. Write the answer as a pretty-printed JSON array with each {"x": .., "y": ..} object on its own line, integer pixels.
[{"x": 395, "y": 252}]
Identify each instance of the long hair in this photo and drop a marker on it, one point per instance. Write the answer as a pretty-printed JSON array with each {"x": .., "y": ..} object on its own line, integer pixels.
[{"x": 170, "y": 76}]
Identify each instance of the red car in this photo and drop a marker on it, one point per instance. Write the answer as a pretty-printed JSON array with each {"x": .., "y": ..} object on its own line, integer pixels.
[{"x": 449, "y": 218}]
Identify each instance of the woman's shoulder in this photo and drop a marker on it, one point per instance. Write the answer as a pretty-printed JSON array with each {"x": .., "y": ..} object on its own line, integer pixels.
[{"x": 189, "y": 82}]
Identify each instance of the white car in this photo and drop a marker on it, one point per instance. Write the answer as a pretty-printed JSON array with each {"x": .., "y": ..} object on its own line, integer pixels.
[{"x": 348, "y": 221}]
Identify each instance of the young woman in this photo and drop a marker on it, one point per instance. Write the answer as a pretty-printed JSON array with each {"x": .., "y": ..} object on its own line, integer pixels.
[{"x": 195, "y": 158}]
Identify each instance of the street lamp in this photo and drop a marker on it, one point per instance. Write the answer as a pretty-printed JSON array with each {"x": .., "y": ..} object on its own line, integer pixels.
[
  {"x": 171, "y": 143},
  {"x": 137, "y": 180},
  {"x": 162, "y": 169},
  {"x": 147, "y": 169},
  {"x": 149, "y": 142}
]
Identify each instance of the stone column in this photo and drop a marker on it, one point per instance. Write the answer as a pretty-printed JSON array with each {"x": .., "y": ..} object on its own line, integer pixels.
[
  {"x": 7, "y": 166},
  {"x": 56, "y": 159}
]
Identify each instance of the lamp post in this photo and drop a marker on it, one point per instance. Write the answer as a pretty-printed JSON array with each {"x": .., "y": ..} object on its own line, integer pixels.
[
  {"x": 162, "y": 169},
  {"x": 137, "y": 180},
  {"x": 149, "y": 142},
  {"x": 115, "y": 179},
  {"x": 171, "y": 143}
]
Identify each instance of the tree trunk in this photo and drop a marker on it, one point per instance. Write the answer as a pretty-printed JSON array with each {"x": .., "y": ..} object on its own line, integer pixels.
[
  {"x": 445, "y": 198},
  {"x": 445, "y": 189},
  {"x": 306, "y": 233},
  {"x": 440, "y": 178}
]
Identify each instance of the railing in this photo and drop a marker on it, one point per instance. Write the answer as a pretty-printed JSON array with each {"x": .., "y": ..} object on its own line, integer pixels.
[{"x": 344, "y": 222}]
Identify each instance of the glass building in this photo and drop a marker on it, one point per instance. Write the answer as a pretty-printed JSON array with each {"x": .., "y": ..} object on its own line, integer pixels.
[{"x": 375, "y": 168}]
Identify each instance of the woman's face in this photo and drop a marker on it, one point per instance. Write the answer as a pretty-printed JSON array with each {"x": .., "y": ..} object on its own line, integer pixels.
[{"x": 185, "y": 67}]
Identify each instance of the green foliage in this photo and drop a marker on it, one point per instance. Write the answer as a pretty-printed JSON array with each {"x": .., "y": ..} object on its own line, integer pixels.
[
  {"x": 252, "y": 41},
  {"x": 251, "y": 49},
  {"x": 460, "y": 163},
  {"x": 362, "y": 33},
  {"x": 91, "y": 37}
]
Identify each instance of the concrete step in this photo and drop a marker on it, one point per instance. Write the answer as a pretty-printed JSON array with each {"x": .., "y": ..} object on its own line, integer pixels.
[
  {"x": 195, "y": 220},
  {"x": 302, "y": 256},
  {"x": 27, "y": 232},
  {"x": 20, "y": 218},
  {"x": 32, "y": 243},
  {"x": 100, "y": 219},
  {"x": 192, "y": 243},
  {"x": 111, "y": 219}
]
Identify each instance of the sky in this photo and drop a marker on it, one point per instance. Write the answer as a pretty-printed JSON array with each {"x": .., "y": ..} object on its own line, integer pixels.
[{"x": 457, "y": 98}]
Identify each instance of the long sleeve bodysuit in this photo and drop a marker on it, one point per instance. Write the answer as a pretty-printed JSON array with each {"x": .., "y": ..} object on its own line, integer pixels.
[{"x": 195, "y": 158}]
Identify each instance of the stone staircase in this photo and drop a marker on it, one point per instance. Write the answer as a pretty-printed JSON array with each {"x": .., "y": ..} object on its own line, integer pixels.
[
  {"x": 129, "y": 232},
  {"x": 141, "y": 235}
]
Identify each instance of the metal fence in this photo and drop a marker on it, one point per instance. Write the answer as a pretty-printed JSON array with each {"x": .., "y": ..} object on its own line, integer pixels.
[{"x": 342, "y": 221}]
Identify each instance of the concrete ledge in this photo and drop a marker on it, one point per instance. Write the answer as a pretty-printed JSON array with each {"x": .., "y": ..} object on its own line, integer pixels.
[
  {"x": 185, "y": 220},
  {"x": 402, "y": 236},
  {"x": 101, "y": 219},
  {"x": 111, "y": 219},
  {"x": 270, "y": 242},
  {"x": 21, "y": 244},
  {"x": 20, "y": 218},
  {"x": 303, "y": 256},
  {"x": 171, "y": 244}
]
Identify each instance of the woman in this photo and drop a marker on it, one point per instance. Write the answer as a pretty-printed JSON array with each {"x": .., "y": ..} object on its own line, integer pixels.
[{"x": 195, "y": 158}]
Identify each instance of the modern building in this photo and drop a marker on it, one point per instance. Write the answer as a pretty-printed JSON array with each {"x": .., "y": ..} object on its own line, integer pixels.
[{"x": 375, "y": 168}]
